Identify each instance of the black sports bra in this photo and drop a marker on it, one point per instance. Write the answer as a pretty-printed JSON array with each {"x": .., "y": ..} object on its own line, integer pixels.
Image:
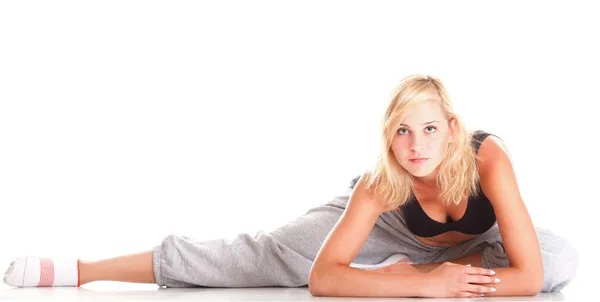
[{"x": 478, "y": 217}]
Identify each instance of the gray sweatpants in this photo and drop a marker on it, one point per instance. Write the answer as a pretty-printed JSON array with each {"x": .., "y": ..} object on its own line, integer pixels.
[{"x": 283, "y": 257}]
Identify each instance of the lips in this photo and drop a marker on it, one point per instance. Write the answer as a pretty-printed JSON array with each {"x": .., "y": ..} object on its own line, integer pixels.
[{"x": 417, "y": 160}]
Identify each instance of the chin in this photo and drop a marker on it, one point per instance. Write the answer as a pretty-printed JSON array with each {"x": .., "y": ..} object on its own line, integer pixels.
[{"x": 420, "y": 173}]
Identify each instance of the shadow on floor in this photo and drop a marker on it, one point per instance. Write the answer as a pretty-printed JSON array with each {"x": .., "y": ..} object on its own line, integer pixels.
[{"x": 212, "y": 294}]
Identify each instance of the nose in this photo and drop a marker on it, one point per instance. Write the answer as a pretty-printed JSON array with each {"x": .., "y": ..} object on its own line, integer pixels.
[{"x": 416, "y": 144}]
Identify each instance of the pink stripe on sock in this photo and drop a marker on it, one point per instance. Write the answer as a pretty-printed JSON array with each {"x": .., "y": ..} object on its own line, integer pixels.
[{"x": 46, "y": 272}]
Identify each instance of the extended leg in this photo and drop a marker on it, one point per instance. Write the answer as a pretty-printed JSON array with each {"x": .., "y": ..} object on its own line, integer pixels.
[{"x": 282, "y": 257}]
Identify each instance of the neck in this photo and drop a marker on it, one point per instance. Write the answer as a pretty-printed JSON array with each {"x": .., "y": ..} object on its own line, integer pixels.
[
  {"x": 425, "y": 182},
  {"x": 428, "y": 181}
]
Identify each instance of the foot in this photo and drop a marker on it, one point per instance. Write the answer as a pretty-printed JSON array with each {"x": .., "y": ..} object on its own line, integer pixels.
[{"x": 42, "y": 272}]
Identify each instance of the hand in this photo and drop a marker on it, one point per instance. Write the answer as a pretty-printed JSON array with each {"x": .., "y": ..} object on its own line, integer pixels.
[{"x": 456, "y": 280}]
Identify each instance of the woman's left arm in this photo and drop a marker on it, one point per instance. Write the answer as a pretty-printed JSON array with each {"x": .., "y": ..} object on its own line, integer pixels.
[{"x": 498, "y": 182}]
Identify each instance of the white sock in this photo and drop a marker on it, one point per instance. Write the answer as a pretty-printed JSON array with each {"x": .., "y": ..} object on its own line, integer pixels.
[
  {"x": 395, "y": 258},
  {"x": 42, "y": 272}
]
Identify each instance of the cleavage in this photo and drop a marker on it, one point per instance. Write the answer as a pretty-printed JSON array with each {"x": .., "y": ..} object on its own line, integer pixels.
[{"x": 439, "y": 212}]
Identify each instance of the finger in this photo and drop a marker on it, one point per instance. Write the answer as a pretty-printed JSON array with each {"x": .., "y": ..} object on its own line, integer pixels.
[
  {"x": 481, "y": 279},
  {"x": 479, "y": 289},
  {"x": 479, "y": 271}
]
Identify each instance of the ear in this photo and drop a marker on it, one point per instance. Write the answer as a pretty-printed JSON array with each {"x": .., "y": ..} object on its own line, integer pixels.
[{"x": 452, "y": 129}]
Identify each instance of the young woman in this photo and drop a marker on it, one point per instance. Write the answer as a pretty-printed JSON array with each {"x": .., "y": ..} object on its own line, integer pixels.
[{"x": 439, "y": 209}]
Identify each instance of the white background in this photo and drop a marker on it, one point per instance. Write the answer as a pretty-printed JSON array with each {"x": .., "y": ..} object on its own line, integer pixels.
[{"x": 122, "y": 122}]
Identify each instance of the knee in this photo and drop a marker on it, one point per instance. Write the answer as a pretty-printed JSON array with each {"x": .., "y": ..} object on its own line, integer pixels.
[
  {"x": 494, "y": 256},
  {"x": 560, "y": 265}
]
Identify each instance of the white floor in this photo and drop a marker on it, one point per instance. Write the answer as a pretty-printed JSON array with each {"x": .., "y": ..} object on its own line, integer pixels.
[{"x": 114, "y": 291}]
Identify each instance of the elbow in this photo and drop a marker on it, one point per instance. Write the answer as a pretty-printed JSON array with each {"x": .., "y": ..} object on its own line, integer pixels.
[
  {"x": 537, "y": 278},
  {"x": 315, "y": 291},
  {"x": 316, "y": 286},
  {"x": 323, "y": 281},
  {"x": 537, "y": 283},
  {"x": 533, "y": 288},
  {"x": 533, "y": 281}
]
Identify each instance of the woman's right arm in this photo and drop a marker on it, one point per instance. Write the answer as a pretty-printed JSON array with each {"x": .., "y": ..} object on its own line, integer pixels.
[{"x": 331, "y": 274}]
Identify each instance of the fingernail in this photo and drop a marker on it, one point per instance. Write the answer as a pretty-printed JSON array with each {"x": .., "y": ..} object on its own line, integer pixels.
[
  {"x": 493, "y": 273},
  {"x": 497, "y": 280},
  {"x": 493, "y": 289}
]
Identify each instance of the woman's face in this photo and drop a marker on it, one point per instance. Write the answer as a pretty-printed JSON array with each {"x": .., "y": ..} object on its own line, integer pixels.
[{"x": 424, "y": 133}]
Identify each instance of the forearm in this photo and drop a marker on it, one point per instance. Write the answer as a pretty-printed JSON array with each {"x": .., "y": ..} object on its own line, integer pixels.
[
  {"x": 345, "y": 281},
  {"x": 472, "y": 259},
  {"x": 513, "y": 281}
]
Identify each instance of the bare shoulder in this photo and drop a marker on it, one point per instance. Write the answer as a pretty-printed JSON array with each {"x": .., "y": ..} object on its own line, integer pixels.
[
  {"x": 492, "y": 151},
  {"x": 364, "y": 197}
]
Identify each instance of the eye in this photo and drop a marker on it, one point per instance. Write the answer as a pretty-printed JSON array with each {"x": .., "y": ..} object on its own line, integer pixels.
[{"x": 400, "y": 130}]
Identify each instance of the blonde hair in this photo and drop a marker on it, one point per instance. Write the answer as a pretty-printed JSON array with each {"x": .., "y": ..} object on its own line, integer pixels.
[{"x": 457, "y": 176}]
